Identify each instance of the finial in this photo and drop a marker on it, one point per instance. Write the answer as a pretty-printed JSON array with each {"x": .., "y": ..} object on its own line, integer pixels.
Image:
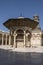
[
  {"x": 20, "y": 14},
  {"x": 36, "y": 18}
]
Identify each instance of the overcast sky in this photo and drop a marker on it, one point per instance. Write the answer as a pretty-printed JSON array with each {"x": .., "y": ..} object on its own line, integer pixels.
[{"x": 14, "y": 8}]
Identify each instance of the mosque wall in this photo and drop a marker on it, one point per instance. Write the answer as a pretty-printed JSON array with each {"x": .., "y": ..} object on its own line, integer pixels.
[{"x": 36, "y": 39}]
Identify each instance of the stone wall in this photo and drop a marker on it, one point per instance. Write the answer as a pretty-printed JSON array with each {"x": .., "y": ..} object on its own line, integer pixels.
[
  {"x": 36, "y": 39},
  {"x": 20, "y": 44}
]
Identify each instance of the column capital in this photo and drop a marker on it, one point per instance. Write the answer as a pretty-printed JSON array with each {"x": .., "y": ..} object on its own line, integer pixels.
[
  {"x": 14, "y": 32},
  {"x": 24, "y": 32}
]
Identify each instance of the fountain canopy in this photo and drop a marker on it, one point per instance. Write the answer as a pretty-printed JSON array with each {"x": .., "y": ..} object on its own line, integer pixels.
[{"x": 20, "y": 21}]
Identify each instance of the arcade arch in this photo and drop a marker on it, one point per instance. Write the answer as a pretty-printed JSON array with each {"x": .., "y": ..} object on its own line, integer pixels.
[
  {"x": 23, "y": 38},
  {"x": 19, "y": 38}
]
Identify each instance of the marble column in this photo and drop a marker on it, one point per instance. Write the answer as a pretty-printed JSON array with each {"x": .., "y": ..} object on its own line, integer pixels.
[
  {"x": 14, "y": 39},
  {"x": 24, "y": 39},
  {"x": 6, "y": 39},
  {"x": 2, "y": 39},
  {"x": 9, "y": 39}
]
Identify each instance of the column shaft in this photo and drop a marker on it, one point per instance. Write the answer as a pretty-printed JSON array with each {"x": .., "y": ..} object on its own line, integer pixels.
[
  {"x": 6, "y": 39},
  {"x": 24, "y": 39},
  {"x": 14, "y": 40},
  {"x": 2, "y": 39},
  {"x": 9, "y": 39}
]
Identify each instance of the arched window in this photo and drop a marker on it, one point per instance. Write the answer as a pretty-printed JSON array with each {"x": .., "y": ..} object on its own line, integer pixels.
[{"x": 19, "y": 31}]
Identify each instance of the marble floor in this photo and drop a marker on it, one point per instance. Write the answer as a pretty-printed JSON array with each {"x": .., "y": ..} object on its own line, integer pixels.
[{"x": 20, "y": 58}]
